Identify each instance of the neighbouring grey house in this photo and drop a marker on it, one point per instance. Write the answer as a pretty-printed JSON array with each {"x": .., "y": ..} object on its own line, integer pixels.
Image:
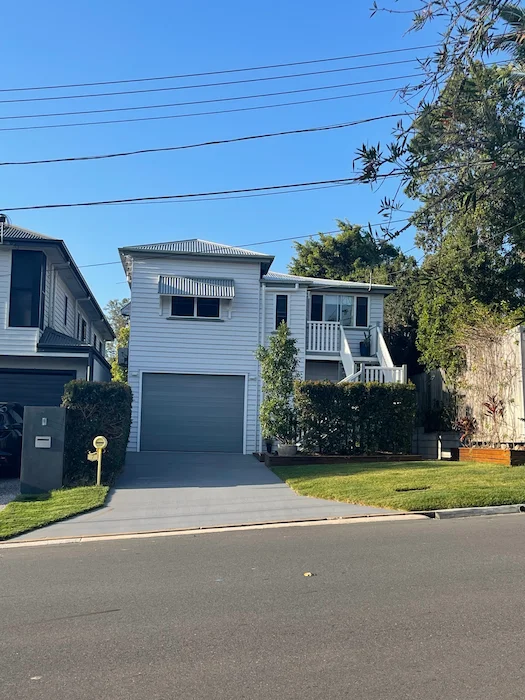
[
  {"x": 198, "y": 312},
  {"x": 52, "y": 329}
]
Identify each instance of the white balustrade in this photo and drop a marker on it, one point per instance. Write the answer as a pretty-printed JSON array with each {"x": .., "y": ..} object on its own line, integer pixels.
[{"x": 323, "y": 336}]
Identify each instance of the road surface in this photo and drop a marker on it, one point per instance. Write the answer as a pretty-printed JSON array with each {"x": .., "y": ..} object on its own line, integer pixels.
[{"x": 413, "y": 610}]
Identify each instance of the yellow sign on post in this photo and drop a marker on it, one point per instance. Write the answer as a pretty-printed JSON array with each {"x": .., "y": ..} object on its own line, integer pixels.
[{"x": 99, "y": 443}]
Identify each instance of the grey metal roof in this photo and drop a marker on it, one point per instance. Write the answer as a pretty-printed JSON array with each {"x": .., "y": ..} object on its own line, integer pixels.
[
  {"x": 197, "y": 287},
  {"x": 126, "y": 309},
  {"x": 51, "y": 337},
  {"x": 322, "y": 282},
  {"x": 195, "y": 246},
  {"x": 17, "y": 233}
]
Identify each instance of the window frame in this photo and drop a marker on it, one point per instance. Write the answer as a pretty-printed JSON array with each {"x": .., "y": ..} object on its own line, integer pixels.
[
  {"x": 66, "y": 310},
  {"x": 195, "y": 306},
  {"x": 338, "y": 297},
  {"x": 36, "y": 289},
  {"x": 83, "y": 330},
  {"x": 277, "y": 313}
]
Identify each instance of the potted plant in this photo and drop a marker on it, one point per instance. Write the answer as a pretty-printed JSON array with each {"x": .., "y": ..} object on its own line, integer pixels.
[
  {"x": 279, "y": 371},
  {"x": 365, "y": 345}
]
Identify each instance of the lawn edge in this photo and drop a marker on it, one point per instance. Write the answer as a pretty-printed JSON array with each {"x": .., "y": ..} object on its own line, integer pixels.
[{"x": 5, "y": 538}]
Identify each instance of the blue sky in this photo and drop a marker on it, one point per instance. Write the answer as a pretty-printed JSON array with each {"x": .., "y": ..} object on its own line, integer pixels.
[{"x": 63, "y": 42}]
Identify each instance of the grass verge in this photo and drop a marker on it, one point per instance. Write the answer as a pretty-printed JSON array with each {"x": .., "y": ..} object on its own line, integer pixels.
[
  {"x": 410, "y": 485},
  {"x": 28, "y": 513}
]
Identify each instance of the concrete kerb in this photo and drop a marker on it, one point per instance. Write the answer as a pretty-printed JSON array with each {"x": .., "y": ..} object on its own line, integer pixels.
[
  {"x": 443, "y": 514},
  {"x": 345, "y": 519}
]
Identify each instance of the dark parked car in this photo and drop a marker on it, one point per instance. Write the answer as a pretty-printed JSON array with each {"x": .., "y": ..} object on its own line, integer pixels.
[{"x": 11, "y": 422}]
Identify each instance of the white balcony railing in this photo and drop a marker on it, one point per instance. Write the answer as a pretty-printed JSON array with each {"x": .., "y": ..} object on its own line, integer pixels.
[{"x": 323, "y": 336}]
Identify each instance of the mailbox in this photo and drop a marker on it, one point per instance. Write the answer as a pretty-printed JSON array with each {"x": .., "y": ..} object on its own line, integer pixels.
[{"x": 42, "y": 449}]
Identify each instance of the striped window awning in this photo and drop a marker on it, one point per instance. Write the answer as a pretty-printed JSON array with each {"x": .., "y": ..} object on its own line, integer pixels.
[{"x": 197, "y": 287}]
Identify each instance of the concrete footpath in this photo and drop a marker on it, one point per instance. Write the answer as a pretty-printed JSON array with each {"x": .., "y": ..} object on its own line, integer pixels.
[{"x": 168, "y": 490}]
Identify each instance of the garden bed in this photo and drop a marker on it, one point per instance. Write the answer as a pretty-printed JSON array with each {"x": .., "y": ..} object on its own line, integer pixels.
[
  {"x": 296, "y": 460},
  {"x": 490, "y": 455}
]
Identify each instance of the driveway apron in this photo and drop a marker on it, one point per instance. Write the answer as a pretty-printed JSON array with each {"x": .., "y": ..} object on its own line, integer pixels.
[{"x": 170, "y": 490}]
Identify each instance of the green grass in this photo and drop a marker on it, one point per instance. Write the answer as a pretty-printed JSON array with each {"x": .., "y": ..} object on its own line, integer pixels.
[
  {"x": 28, "y": 513},
  {"x": 410, "y": 485}
]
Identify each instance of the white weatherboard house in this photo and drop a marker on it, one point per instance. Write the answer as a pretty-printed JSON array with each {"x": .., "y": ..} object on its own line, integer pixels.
[
  {"x": 51, "y": 328},
  {"x": 198, "y": 312}
]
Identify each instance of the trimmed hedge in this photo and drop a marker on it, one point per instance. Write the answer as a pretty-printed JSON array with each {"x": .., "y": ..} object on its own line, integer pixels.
[
  {"x": 95, "y": 408},
  {"x": 355, "y": 418}
]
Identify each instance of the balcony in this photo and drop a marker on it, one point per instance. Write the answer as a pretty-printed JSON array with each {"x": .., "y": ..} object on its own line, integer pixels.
[{"x": 323, "y": 336}]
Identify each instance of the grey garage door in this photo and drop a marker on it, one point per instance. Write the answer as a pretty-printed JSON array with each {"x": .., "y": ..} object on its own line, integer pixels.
[
  {"x": 34, "y": 387},
  {"x": 192, "y": 413}
]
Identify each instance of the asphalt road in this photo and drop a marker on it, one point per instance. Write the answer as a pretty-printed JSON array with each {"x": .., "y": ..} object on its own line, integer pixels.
[{"x": 414, "y": 610}]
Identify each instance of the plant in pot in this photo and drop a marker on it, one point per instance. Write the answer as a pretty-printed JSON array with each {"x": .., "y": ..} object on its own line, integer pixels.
[
  {"x": 365, "y": 345},
  {"x": 279, "y": 371}
]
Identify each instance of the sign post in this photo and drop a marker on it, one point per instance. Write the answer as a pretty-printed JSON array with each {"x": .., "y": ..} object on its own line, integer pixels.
[{"x": 99, "y": 443}]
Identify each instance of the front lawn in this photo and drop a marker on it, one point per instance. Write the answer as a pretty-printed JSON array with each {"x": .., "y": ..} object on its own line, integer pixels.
[
  {"x": 410, "y": 485},
  {"x": 28, "y": 513}
]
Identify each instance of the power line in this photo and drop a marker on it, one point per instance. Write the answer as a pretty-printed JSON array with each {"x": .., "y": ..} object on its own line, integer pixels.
[
  {"x": 214, "y": 112},
  {"x": 200, "y": 102},
  {"x": 274, "y": 240},
  {"x": 218, "y": 72},
  {"x": 205, "y": 143},
  {"x": 205, "y": 85},
  {"x": 192, "y": 195}
]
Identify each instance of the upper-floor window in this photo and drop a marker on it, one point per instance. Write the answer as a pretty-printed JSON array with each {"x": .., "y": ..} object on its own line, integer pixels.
[
  {"x": 346, "y": 309},
  {"x": 281, "y": 309},
  {"x": 195, "y": 307},
  {"x": 83, "y": 331},
  {"x": 28, "y": 278},
  {"x": 66, "y": 310},
  {"x": 95, "y": 340}
]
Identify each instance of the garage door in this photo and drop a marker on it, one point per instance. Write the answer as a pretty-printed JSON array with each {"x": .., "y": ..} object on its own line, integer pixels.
[
  {"x": 192, "y": 413},
  {"x": 35, "y": 387}
]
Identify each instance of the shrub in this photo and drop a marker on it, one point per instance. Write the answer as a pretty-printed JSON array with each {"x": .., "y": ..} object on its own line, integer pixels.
[
  {"x": 355, "y": 418},
  {"x": 278, "y": 371},
  {"x": 95, "y": 408}
]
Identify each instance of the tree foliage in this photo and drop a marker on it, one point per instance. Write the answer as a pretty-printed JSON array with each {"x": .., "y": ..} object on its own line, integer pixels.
[
  {"x": 117, "y": 321},
  {"x": 119, "y": 373},
  {"x": 279, "y": 371}
]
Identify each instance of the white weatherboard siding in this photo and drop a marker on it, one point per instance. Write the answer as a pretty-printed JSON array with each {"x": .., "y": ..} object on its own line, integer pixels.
[
  {"x": 158, "y": 344},
  {"x": 297, "y": 312},
  {"x": 61, "y": 291},
  {"x": 13, "y": 341}
]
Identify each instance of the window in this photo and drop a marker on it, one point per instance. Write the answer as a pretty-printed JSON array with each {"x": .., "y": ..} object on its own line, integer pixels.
[
  {"x": 83, "y": 331},
  {"x": 361, "y": 312},
  {"x": 207, "y": 308},
  {"x": 100, "y": 349},
  {"x": 316, "y": 312},
  {"x": 66, "y": 304},
  {"x": 195, "y": 307},
  {"x": 95, "y": 340},
  {"x": 345, "y": 309},
  {"x": 28, "y": 276},
  {"x": 281, "y": 309},
  {"x": 78, "y": 325}
]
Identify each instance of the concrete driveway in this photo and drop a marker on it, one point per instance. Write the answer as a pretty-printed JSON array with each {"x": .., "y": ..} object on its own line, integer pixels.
[{"x": 170, "y": 490}]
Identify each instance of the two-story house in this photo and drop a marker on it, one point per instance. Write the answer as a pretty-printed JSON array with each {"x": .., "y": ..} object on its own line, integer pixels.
[
  {"x": 52, "y": 329},
  {"x": 198, "y": 312}
]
